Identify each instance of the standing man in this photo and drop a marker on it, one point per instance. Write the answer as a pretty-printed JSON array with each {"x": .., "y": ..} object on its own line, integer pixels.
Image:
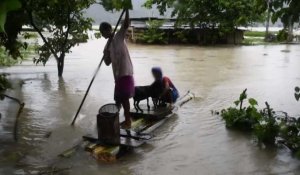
[{"x": 116, "y": 53}]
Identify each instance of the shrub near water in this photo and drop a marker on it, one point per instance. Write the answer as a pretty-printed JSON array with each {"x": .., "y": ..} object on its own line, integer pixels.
[
  {"x": 240, "y": 117},
  {"x": 267, "y": 126},
  {"x": 4, "y": 85},
  {"x": 261, "y": 123},
  {"x": 153, "y": 34}
]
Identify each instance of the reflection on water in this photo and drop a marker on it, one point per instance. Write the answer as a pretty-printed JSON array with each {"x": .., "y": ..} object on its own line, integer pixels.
[{"x": 192, "y": 142}]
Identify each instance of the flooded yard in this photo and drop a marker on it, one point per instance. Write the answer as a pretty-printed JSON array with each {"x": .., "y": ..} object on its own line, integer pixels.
[{"x": 193, "y": 141}]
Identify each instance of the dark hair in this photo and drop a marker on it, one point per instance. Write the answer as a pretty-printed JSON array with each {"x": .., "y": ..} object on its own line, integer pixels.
[
  {"x": 158, "y": 71},
  {"x": 105, "y": 26}
]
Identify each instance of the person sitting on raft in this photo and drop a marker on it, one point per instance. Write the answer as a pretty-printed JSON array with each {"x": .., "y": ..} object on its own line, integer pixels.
[{"x": 169, "y": 93}]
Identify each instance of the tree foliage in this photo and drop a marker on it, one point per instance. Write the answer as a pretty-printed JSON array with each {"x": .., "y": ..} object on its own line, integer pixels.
[
  {"x": 288, "y": 11},
  {"x": 153, "y": 34},
  {"x": 5, "y": 7},
  {"x": 4, "y": 85},
  {"x": 60, "y": 24},
  {"x": 65, "y": 23},
  {"x": 226, "y": 14},
  {"x": 110, "y": 5}
]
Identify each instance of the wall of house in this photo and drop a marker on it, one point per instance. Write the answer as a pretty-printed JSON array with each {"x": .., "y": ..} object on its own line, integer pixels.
[{"x": 191, "y": 36}]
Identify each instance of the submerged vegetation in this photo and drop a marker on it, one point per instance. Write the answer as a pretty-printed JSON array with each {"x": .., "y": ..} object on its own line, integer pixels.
[{"x": 267, "y": 126}]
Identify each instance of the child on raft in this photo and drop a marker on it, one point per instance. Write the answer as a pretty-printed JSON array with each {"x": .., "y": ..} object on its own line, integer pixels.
[
  {"x": 169, "y": 93},
  {"x": 117, "y": 54}
]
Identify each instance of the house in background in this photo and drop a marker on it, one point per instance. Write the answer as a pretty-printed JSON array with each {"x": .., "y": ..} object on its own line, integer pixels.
[{"x": 181, "y": 35}]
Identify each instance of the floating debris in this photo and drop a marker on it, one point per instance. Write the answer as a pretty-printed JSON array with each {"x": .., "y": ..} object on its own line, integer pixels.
[{"x": 285, "y": 51}]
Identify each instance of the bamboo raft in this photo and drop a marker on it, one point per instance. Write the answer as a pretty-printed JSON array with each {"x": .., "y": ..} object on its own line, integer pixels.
[{"x": 143, "y": 125}]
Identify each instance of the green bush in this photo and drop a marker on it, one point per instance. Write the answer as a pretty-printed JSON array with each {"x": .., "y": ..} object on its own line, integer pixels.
[
  {"x": 98, "y": 35},
  {"x": 289, "y": 132},
  {"x": 4, "y": 85},
  {"x": 268, "y": 127},
  {"x": 240, "y": 117},
  {"x": 153, "y": 34},
  {"x": 181, "y": 35},
  {"x": 282, "y": 35},
  {"x": 5, "y": 59}
]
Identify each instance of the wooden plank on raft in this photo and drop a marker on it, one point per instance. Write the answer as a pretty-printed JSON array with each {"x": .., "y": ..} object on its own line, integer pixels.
[
  {"x": 142, "y": 125},
  {"x": 134, "y": 135},
  {"x": 126, "y": 142},
  {"x": 153, "y": 113},
  {"x": 148, "y": 120}
]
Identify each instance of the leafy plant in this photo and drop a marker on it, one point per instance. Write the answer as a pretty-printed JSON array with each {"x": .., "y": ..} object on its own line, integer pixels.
[
  {"x": 289, "y": 132},
  {"x": 5, "y": 7},
  {"x": 153, "y": 34},
  {"x": 60, "y": 24},
  {"x": 4, "y": 85},
  {"x": 110, "y": 5},
  {"x": 288, "y": 11},
  {"x": 267, "y": 129},
  {"x": 282, "y": 35},
  {"x": 97, "y": 35},
  {"x": 226, "y": 14},
  {"x": 181, "y": 35},
  {"x": 241, "y": 117}
]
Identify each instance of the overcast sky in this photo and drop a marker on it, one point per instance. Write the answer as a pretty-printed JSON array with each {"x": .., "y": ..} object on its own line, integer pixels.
[{"x": 99, "y": 14}]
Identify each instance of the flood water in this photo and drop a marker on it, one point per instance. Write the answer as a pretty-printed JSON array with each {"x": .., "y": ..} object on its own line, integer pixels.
[{"x": 192, "y": 142}]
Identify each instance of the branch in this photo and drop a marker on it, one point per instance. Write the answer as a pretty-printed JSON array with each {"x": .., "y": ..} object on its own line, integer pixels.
[
  {"x": 12, "y": 98},
  {"x": 68, "y": 28},
  {"x": 40, "y": 33},
  {"x": 18, "y": 114}
]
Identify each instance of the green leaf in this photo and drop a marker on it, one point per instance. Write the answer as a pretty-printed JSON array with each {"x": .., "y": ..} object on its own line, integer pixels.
[
  {"x": 253, "y": 102},
  {"x": 243, "y": 95},
  {"x": 110, "y": 5},
  {"x": 237, "y": 102},
  {"x": 5, "y": 7}
]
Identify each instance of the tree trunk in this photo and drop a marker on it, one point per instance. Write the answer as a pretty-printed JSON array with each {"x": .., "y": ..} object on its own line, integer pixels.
[
  {"x": 290, "y": 30},
  {"x": 60, "y": 65},
  {"x": 234, "y": 36},
  {"x": 268, "y": 21}
]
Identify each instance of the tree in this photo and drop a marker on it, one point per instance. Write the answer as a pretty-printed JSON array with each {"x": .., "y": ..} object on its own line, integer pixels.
[
  {"x": 5, "y": 7},
  {"x": 64, "y": 21},
  {"x": 225, "y": 14},
  {"x": 110, "y": 5},
  {"x": 288, "y": 11},
  {"x": 60, "y": 24}
]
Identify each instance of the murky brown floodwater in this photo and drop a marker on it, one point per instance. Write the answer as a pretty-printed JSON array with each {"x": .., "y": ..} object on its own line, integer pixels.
[{"x": 192, "y": 142}]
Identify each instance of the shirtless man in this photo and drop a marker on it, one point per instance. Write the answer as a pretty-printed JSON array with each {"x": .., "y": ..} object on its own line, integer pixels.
[{"x": 118, "y": 56}]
